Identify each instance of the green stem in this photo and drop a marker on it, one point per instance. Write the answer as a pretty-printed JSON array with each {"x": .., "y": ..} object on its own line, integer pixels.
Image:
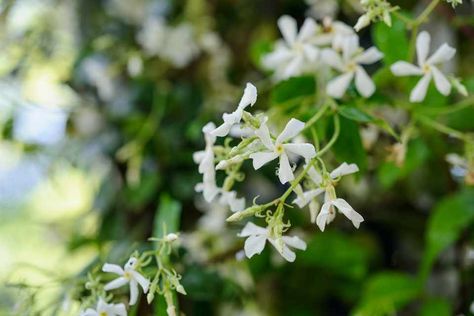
[
  {"x": 316, "y": 116},
  {"x": 467, "y": 102},
  {"x": 424, "y": 15},
  {"x": 441, "y": 128}
]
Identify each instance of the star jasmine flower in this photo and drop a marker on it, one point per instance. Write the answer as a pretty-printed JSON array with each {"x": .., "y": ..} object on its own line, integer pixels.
[
  {"x": 205, "y": 159},
  {"x": 230, "y": 119},
  {"x": 328, "y": 213},
  {"x": 427, "y": 67},
  {"x": 295, "y": 52},
  {"x": 127, "y": 275},
  {"x": 104, "y": 309},
  {"x": 349, "y": 65},
  {"x": 280, "y": 149},
  {"x": 303, "y": 198},
  {"x": 258, "y": 236}
]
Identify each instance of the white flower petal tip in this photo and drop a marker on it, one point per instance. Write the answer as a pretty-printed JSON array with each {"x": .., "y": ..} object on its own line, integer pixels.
[{"x": 249, "y": 97}]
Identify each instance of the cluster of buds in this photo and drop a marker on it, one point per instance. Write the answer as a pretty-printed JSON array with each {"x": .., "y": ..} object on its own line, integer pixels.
[{"x": 375, "y": 10}]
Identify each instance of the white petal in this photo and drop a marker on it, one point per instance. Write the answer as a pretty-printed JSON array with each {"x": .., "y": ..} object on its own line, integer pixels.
[
  {"x": 249, "y": 97},
  {"x": 198, "y": 156},
  {"x": 441, "y": 83},
  {"x": 305, "y": 150},
  {"x": 112, "y": 268},
  {"x": 208, "y": 128},
  {"x": 294, "y": 66},
  {"x": 254, "y": 245},
  {"x": 292, "y": 128},
  {"x": 115, "y": 284},
  {"x": 133, "y": 292},
  {"x": 303, "y": 199},
  {"x": 222, "y": 130},
  {"x": 119, "y": 309},
  {"x": 349, "y": 212},
  {"x": 262, "y": 158},
  {"x": 285, "y": 173},
  {"x": 295, "y": 242},
  {"x": 344, "y": 169},
  {"x": 307, "y": 30},
  {"x": 310, "y": 52},
  {"x": 264, "y": 135},
  {"x": 350, "y": 46},
  {"x": 277, "y": 57},
  {"x": 419, "y": 92},
  {"x": 287, "y": 26},
  {"x": 362, "y": 22},
  {"x": 144, "y": 282},
  {"x": 288, "y": 254},
  {"x": 370, "y": 56},
  {"x": 422, "y": 46},
  {"x": 403, "y": 68},
  {"x": 333, "y": 59},
  {"x": 364, "y": 84},
  {"x": 338, "y": 86},
  {"x": 90, "y": 312},
  {"x": 315, "y": 176},
  {"x": 314, "y": 208},
  {"x": 322, "y": 218},
  {"x": 442, "y": 54},
  {"x": 252, "y": 229}
]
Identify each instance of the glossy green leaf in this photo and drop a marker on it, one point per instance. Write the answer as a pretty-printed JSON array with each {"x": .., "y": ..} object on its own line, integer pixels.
[
  {"x": 449, "y": 219},
  {"x": 392, "y": 41},
  {"x": 387, "y": 292},
  {"x": 355, "y": 114},
  {"x": 438, "y": 307},
  {"x": 293, "y": 88},
  {"x": 348, "y": 146}
]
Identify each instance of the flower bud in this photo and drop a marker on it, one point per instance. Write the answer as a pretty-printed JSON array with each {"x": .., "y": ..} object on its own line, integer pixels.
[
  {"x": 171, "y": 237},
  {"x": 362, "y": 22}
]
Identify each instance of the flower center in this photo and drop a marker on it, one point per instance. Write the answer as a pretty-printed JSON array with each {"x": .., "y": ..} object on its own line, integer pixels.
[
  {"x": 279, "y": 149},
  {"x": 127, "y": 275},
  {"x": 351, "y": 67},
  {"x": 102, "y": 314},
  {"x": 426, "y": 68}
]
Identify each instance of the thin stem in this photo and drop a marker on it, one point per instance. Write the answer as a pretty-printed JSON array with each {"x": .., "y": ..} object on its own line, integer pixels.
[
  {"x": 333, "y": 138},
  {"x": 424, "y": 15},
  {"x": 316, "y": 116},
  {"x": 467, "y": 102},
  {"x": 441, "y": 128}
]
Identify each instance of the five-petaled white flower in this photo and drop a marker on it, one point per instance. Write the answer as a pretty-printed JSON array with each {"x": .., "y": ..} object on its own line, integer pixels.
[
  {"x": 304, "y": 198},
  {"x": 281, "y": 149},
  {"x": 104, "y": 309},
  {"x": 330, "y": 30},
  {"x": 427, "y": 67},
  {"x": 127, "y": 275},
  {"x": 230, "y": 119},
  {"x": 349, "y": 64},
  {"x": 257, "y": 238},
  {"x": 296, "y": 52}
]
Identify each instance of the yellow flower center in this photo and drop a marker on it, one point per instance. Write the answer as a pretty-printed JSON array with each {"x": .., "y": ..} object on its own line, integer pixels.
[
  {"x": 426, "y": 68},
  {"x": 103, "y": 314},
  {"x": 279, "y": 149},
  {"x": 127, "y": 275},
  {"x": 351, "y": 67}
]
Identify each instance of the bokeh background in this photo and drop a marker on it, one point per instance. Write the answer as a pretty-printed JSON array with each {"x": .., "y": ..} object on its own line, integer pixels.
[{"x": 101, "y": 107}]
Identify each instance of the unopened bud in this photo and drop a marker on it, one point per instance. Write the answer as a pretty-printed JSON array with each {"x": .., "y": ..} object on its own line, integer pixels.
[
  {"x": 362, "y": 22},
  {"x": 171, "y": 237},
  {"x": 237, "y": 216}
]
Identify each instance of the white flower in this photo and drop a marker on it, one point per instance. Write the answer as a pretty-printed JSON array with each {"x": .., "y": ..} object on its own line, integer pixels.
[
  {"x": 104, "y": 309},
  {"x": 205, "y": 159},
  {"x": 303, "y": 198},
  {"x": 127, "y": 275},
  {"x": 296, "y": 52},
  {"x": 281, "y": 149},
  {"x": 322, "y": 8},
  {"x": 427, "y": 67},
  {"x": 231, "y": 119},
  {"x": 362, "y": 22},
  {"x": 230, "y": 198},
  {"x": 349, "y": 65},
  {"x": 258, "y": 236},
  {"x": 328, "y": 212}
]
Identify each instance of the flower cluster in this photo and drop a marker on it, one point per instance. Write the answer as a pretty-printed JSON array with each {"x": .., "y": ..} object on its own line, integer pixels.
[
  {"x": 375, "y": 10},
  {"x": 165, "y": 281},
  {"x": 330, "y": 45}
]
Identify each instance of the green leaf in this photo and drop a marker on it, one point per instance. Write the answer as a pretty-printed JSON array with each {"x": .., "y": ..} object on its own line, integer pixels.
[
  {"x": 449, "y": 219},
  {"x": 168, "y": 216},
  {"x": 348, "y": 146},
  {"x": 392, "y": 41},
  {"x": 438, "y": 307},
  {"x": 386, "y": 292},
  {"x": 332, "y": 251},
  {"x": 355, "y": 114},
  {"x": 293, "y": 88}
]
